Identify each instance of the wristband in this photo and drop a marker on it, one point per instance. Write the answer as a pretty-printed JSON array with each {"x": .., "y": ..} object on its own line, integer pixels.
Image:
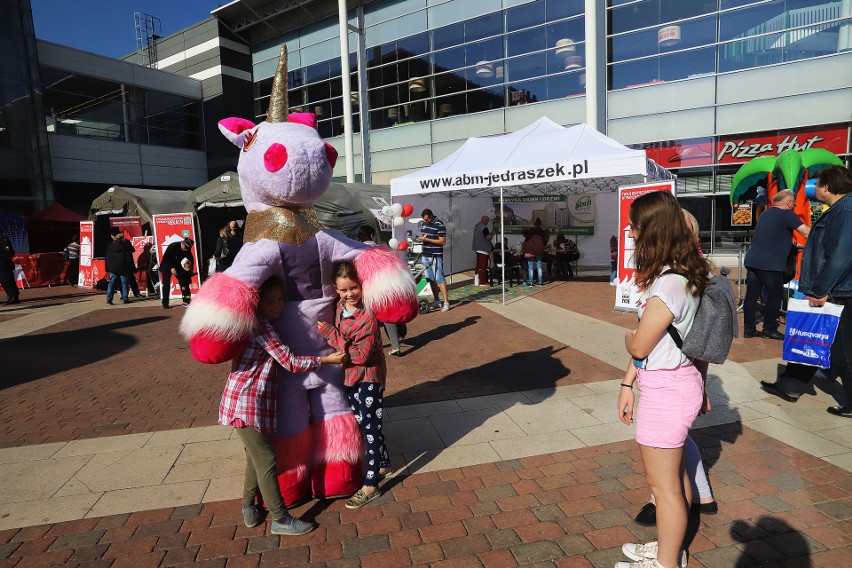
[{"x": 628, "y": 386}]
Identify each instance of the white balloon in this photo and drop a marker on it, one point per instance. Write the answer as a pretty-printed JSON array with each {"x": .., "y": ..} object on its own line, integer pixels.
[
  {"x": 398, "y": 221},
  {"x": 393, "y": 243},
  {"x": 396, "y": 209},
  {"x": 450, "y": 227},
  {"x": 387, "y": 210}
]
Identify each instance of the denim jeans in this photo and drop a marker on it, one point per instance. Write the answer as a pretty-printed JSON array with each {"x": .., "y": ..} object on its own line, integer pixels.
[
  {"x": 537, "y": 262},
  {"x": 113, "y": 280}
]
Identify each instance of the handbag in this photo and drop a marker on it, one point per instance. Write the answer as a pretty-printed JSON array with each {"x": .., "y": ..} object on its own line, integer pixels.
[
  {"x": 211, "y": 266},
  {"x": 810, "y": 332}
]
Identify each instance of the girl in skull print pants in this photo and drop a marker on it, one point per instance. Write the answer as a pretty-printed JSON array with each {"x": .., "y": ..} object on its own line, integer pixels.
[{"x": 366, "y": 402}]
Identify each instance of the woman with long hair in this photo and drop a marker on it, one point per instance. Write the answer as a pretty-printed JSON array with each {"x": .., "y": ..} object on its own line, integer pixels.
[{"x": 671, "y": 275}]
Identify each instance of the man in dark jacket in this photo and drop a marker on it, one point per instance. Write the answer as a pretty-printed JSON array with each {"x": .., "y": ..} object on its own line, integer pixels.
[
  {"x": 228, "y": 246},
  {"x": 7, "y": 270},
  {"x": 177, "y": 261},
  {"x": 119, "y": 265}
]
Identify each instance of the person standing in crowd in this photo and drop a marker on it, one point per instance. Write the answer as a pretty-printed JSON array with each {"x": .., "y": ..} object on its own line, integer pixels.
[
  {"x": 766, "y": 260},
  {"x": 671, "y": 387},
  {"x": 356, "y": 333},
  {"x": 367, "y": 235},
  {"x": 7, "y": 271},
  {"x": 434, "y": 237},
  {"x": 119, "y": 265},
  {"x": 177, "y": 261},
  {"x": 72, "y": 253},
  {"x": 248, "y": 404},
  {"x": 827, "y": 277},
  {"x": 228, "y": 244},
  {"x": 613, "y": 258},
  {"x": 534, "y": 244},
  {"x": 482, "y": 247}
]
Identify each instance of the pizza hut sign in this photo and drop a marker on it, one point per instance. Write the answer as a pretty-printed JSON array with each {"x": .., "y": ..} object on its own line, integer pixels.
[{"x": 731, "y": 150}]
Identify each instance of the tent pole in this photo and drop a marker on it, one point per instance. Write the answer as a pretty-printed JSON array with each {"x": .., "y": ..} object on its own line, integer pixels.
[{"x": 503, "y": 249}]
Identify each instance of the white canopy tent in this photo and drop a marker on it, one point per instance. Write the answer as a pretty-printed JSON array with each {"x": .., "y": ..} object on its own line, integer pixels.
[{"x": 543, "y": 159}]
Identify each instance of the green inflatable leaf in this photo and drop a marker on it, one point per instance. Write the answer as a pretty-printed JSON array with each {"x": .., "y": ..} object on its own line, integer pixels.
[
  {"x": 749, "y": 176},
  {"x": 817, "y": 159},
  {"x": 788, "y": 170}
]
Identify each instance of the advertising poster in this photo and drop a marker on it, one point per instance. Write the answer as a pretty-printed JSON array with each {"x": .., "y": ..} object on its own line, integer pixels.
[
  {"x": 741, "y": 214},
  {"x": 142, "y": 251},
  {"x": 130, "y": 226},
  {"x": 626, "y": 292},
  {"x": 171, "y": 228},
  {"x": 560, "y": 214},
  {"x": 85, "y": 279}
]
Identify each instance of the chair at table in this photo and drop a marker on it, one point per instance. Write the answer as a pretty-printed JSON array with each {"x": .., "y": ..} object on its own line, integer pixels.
[{"x": 513, "y": 270}]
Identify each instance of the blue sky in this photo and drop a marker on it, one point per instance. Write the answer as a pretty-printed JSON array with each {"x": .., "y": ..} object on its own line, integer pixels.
[{"x": 106, "y": 27}]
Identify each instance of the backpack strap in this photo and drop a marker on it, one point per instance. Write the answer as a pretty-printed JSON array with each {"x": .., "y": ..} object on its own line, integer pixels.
[{"x": 672, "y": 330}]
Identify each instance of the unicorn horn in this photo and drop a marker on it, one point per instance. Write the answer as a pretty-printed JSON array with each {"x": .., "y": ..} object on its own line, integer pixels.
[{"x": 278, "y": 104}]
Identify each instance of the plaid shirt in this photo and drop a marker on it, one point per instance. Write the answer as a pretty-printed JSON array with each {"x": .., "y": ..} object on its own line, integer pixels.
[
  {"x": 250, "y": 391},
  {"x": 359, "y": 337}
]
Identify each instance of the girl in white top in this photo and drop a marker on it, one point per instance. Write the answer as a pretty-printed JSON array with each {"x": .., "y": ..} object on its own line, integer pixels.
[{"x": 671, "y": 387}]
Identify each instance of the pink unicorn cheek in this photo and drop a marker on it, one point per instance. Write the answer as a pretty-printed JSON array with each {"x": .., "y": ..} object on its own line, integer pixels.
[{"x": 275, "y": 157}]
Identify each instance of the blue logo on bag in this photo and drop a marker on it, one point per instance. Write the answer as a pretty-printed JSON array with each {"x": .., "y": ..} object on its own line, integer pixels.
[{"x": 809, "y": 335}]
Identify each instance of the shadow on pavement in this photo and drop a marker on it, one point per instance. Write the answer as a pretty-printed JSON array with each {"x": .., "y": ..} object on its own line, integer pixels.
[
  {"x": 421, "y": 340},
  {"x": 769, "y": 541},
  {"x": 32, "y": 357}
]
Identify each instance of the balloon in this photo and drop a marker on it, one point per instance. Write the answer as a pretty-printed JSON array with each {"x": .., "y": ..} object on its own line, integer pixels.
[
  {"x": 450, "y": 227},
  {"x": 397, "y": 221},
  {"x": 387, "y": 210},
  {"x": 393, "y": 243},
  {"x": 407, "y": 210},
  {"x": 454, "y": 209},
  {"x": 403, "y": 245},
  {"x": 396, "y": 209}
]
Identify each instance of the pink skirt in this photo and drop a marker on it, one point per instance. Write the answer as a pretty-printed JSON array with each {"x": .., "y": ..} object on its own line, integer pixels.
[{"x": 669, "y": 402}]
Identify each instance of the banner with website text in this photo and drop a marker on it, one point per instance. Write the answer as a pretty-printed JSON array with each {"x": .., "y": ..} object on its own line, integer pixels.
[
  {"x": 559, "y": 214},
  {"x": 172, "y": 228},
  {"x": 626, "y": 292}
]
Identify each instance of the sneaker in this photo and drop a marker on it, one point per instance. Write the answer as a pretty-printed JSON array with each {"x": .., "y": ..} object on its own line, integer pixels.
[
  {"x": 647, "y": 516},
  {"x": 291, "y": 526},
  {"x": 446, "y": 307},
  {"x": 776, "y": 335},
  {"x": 125, "y": 301},
  {"x": 361, "y": 498},
  {"x": 640, "y": 564},
  {"x": 109, "y": 302},
  {"x": 394, "y": 353},
  {"x": 436, "y": 305},
  {"x": 749, "y": 333},
  {"x": 710, "y": 508},
  {"x": 387, "y": 472},
  {"x": 251, "y": 515},
  {"x": 647, "y": 551}
]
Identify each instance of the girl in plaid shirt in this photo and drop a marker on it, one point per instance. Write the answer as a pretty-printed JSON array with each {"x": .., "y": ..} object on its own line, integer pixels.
[
  {"x": 248, "y": 404},
  {"x": 356, "y": 333}
]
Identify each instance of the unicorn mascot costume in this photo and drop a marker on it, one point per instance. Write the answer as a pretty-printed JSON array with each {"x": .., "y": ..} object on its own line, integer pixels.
[{"x": 284, "y": 167}]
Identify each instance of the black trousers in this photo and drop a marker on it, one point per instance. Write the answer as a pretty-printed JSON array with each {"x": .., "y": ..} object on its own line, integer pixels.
[
  {"x": 841, "y": 358},
  {"x": 7, "y": 280},
  {"x": 184, "y": 280},
  {"x": 758, "y": 281}
]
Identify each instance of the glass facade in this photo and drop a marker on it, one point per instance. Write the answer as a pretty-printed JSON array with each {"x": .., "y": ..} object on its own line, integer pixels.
[
  {"x": 24, "y": 154},
  {"x": 78, "y": 105},
  {"x": 653, "y": 41},
  {"x": 523, "y": 54}
]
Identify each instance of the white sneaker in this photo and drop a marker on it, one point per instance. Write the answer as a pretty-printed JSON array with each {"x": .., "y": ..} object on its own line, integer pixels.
[
  {"x": 446, "y": 308},
  {"x": 647, "y": 551},
  {"x": 640, "y": 564}
]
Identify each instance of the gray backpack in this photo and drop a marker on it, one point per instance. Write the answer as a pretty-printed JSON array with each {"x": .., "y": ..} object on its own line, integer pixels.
[{"x": 715, "y": 325}]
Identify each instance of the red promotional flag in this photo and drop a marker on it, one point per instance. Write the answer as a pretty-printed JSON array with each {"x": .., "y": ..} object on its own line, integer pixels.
[{"x": 85, "y": 278}]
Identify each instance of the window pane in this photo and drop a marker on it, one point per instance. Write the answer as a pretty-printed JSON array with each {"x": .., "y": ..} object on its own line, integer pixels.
[
  {"x": 558, "y": 9},
  {"x": 566, "y": 85},
  {"x": 527, "y": 92},
  {"x": 527, "y": 66},
  {"x": 634, "y": 73},
  {"x": 663, "y": 39},
  {"x": 688, "y": 64},
  {"x": 750, "y": 21},
  {"x": 487, "y": 50},
  {"x": 526, "y": 41},
  {"x": 414, "y": 45},
  {"x": 634, "y": 16},
  {"x": 485, "y": 99},
  {"x": 449, "y": 59},
  {"x": 484, "y": 26},
  {"x": 448, "y": 36},
  {"x": 448, "y": 83},
  {"x": 525, "y": 16}
]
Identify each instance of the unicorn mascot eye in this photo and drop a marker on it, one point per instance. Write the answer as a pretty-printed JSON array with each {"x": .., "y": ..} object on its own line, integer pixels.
[{"x": 284, "y": 167}]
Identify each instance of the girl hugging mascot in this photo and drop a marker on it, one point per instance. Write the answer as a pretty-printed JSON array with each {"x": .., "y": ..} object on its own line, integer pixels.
[{"x": 284, "y": 167}]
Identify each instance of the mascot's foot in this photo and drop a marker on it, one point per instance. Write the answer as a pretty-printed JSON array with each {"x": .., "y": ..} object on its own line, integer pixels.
[
  {"x": 293, "y": 453},
  {"x": 334, "y": 480}
]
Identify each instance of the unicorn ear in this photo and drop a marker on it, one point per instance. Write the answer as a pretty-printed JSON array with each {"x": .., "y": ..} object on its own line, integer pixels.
[
  {"x": 306, "y": 118},
  {"x": 235, "y": 130}
]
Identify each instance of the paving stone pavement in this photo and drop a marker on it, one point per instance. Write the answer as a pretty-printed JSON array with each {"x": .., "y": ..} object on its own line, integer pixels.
[{"x": 781, "y": 504}]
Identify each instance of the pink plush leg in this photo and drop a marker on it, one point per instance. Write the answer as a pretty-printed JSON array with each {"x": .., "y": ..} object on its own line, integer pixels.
[
  {"x": 338, "y": 453},
  {"x": 293, "y": 454}
]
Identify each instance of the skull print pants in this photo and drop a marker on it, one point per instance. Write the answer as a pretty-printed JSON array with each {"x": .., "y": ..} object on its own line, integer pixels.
[{"x": 365, "y": 399}]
